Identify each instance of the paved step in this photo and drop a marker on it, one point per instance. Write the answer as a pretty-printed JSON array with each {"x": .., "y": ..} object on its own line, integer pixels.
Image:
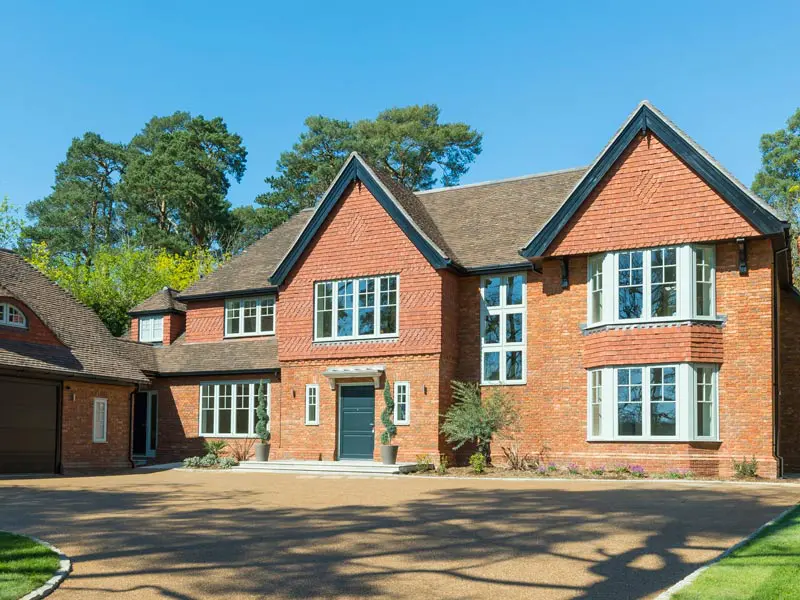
[{"x": 349, "y": 467}]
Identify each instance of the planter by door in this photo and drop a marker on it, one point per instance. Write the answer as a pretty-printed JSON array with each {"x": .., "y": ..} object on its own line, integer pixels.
[
  {"x": 389, "y": 454},
  {"x": 262, "y": 452}
]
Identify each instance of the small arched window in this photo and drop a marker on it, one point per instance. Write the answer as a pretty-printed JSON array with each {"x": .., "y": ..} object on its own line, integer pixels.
[{"x": 11, "y": 315}]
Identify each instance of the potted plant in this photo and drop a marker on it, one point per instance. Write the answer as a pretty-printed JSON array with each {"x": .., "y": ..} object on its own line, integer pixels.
[
  {"x": 388, "y": 451},
  {"x": 262, "y": 431}
]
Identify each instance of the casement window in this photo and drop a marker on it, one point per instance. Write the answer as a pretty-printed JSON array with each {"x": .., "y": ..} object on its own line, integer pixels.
[
  {"x": 12, "y": 316},
  {"x": 228, "y": 409},
  {"x": 250, "y": 316},
  {"x": 503, "y": 316},
  {"x": 312, "y": 404},
  {"x": 654, "y": 403},
  {"x": 151, "y": 329},
  {"x": 100, "y": 421},
  {"x": 655, "y": 284},
  {"x": 363, "y": 308},
  {"x": 402, "y": 403}
]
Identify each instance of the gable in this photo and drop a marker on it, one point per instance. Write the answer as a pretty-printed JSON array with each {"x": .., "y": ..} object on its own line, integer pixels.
[{"x": 34, "y": 330}]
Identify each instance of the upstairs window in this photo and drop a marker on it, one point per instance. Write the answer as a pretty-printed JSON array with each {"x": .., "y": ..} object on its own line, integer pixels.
[
  {"x": 151, "y": 329},
  {"x": 503, "y": 329},
  {"x": 362, "y": 308},
  {"x": 651, "y": 285},
  {"x": 12, "y": 316},
  {"x": 250, "y": 316}
]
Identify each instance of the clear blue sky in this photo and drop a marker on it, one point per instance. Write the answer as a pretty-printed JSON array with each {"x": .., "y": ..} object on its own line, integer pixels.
[{"x": 547, "y": 83}]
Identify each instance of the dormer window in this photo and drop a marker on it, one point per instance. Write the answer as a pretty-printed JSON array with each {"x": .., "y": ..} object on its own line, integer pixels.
[
  {"x": 151, "y": 329},
  {"x": 12, "y": 316},
  {"x": 250, "y": 316}
]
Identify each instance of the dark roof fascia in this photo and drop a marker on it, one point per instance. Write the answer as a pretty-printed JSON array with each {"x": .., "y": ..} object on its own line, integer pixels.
[
  {"x": 489, "y": 269},
  {"x": 272, "y": 289},
  {"x": 646, "y": 120},
  {"x": 356, "y": 170},
  {"x": 156, "y": 311},
  {"x": 68, "y": 376},
  {"x": 271, "y": 370}
]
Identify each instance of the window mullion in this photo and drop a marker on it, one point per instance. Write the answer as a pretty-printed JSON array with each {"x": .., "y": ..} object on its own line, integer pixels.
[{"x": 216, "y": 410}]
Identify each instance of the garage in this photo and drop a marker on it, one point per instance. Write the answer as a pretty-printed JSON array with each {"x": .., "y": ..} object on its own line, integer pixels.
[{"x": 28, "y": 426}]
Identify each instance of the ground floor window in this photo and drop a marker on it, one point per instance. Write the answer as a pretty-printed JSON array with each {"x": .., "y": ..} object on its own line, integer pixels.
[
  {"x": 312, "y": 404},
  {"x": 653, "y": 402},
  {"x": 100, "y": 421},
  {"x": 402, "y": 401},
  {"x": 228, "y": 409}
]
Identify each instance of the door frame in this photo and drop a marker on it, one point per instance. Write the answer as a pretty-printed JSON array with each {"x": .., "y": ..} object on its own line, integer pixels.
[
  {"x": 340, "y": 386},
  {"x": 152, "y": 399}
]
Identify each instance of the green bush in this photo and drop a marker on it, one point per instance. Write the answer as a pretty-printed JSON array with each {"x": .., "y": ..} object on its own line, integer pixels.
[
  {"x": 262, "y": 417},
  {"x": 390, "y": 430},
  {"x": 475, "y": 419},
  {"x": 444, "y": 463},
  {"x": 193, "y": 462},
  {"x": 209, "y": 460},
  {"x": 214, "y": 448},
  {"x": 424, "y": 462},
  {"x": 746, "y": 468},
  {"x": 227, "y": 462},
  {"x": 478, "y": 462}
]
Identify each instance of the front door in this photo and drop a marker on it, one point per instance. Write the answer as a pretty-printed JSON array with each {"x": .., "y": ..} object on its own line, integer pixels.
[
  {"x": 145, "y": 423},
  {"x": 356, "y": 421}
]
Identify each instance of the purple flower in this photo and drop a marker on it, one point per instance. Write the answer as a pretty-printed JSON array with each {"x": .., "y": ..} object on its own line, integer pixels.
[
  {"x": 541, "y": 470},
  {"x": 637, "y": 470}
]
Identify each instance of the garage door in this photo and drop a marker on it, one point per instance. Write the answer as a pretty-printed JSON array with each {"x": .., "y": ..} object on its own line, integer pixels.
[{"x": 28, "y": 426}]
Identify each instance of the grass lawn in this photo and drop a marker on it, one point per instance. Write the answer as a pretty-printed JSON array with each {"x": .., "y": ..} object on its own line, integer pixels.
[
  {"x": 766, "y": 568},
  {"x": 24, "y": 565}
]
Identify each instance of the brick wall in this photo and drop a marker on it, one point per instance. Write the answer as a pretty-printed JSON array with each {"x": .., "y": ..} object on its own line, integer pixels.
[
  {"x": 174, "y": 325},
  {"x": 790, "y": 380},
  {"x": 205, "y": 320},
  {"x": 78, "y": 451},
  {"x": 36, "y": 332}
]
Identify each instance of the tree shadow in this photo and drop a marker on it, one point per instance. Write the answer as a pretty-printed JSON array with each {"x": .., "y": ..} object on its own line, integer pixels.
[{"x": 443, "y": 537}]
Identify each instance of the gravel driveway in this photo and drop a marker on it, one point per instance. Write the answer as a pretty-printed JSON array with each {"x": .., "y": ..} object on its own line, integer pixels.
[{"x": 187, "y": 535}]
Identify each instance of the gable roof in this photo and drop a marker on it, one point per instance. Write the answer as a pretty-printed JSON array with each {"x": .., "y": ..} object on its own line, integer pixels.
[
  {"x": 249, "y": 272},
  {"x": 401, "y": 204},
  {"x": 163, "y": 301},
  {"x": 89, "y": 349},
  {"x": 648, "y": 118}
]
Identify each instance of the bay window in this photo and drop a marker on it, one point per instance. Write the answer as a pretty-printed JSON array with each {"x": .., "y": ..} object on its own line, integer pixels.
[
  {"x": 654, "y": 403},
  {"x": 250, "y": 316},
  {"x": 228, "y": 409},
  {"x": 361, "y": 308},
  {"x": 503, "y": 329},
  {"x": 655, "y": 284}
]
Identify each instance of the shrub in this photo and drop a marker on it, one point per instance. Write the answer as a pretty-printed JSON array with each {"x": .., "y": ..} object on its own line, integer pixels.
[
  {"x": 262, "y": 418},
  {"x": 637, "y": 471},
  {"x": 478, "y": 462},
  {"x": 599, "y": 471},
  {"x": 573, "y": 469},
  {"x": 444, "y": 462},
  {"x": 541, "y": 470},
  {"x": 193, "y": 462},
  {"x": 214, "y": 448},
  {"x": 621, "y": 470},
  {"x": 389, "y": 428},
  {"x": 209, "y": 460},
  {"x": 552, "y": 467},
  {"x": 474, "y": 419},
  {"x": 516, "y": 460},
  {"x": 746, "y": 468},
  {"x": 227, "y": 462},
  {"x": 424, "y": 462},
  {"x": 678, "y": 474},
  {"x": 241, "y": 448}
]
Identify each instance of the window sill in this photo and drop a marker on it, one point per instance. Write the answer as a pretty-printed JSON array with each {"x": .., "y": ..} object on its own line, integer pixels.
[
  {"x": 229, "y": 436},
  {"x": 718, "y": 321},
  {"x": 350, "y": 342},
  {"x": 15, "y": 327},
  {"x": 652, "y": 440},
  {"x": 403, "y": 424},
  {"x": 312, "y": 424},
  {"x": 234, "y": 336},
  {"x": 502, "y": 383}
]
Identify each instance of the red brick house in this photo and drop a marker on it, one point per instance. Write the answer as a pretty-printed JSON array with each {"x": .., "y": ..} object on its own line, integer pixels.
[
  {"x": 639, "y": 310},
  {"x": 66, "y": 384}
]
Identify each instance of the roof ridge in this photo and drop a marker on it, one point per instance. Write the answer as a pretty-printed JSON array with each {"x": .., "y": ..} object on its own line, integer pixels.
[{"x": 496, "y": 181}]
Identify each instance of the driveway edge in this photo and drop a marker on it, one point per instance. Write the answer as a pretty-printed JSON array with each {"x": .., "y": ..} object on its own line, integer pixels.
[
  {"x": 49, "y": 586},
  {"x": 667, "y": 595}
]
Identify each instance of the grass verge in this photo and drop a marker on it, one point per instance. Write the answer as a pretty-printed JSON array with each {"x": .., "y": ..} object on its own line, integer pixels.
[
  {"x": 765, "y": 568},
  {"x": 24, "y": 565}
]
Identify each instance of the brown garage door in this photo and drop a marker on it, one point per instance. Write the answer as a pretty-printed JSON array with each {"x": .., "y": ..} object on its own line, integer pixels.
[{"x": 28, "y": 426}]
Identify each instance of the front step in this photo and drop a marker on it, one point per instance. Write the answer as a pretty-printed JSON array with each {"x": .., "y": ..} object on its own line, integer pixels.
[{"x": 326, "y": 467}]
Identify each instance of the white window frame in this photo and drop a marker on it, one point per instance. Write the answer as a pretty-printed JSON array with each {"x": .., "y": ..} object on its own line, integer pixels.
[
  {"x": 263, "y": 303},
  {"x": 685, "y": 407},
  {"x": 312, "y": 389},
  {"x": 355, "y": 297},
  {"x": 252, "y": 404},
  {"x": 686, "y": 281},
  {"x": 150, "y": 334},
  {"x": 97, "y": 438},
  {"x": 5, "y": 316},
  {"x": 502, "y": 311},
  {"x": 407, "y": 386}
]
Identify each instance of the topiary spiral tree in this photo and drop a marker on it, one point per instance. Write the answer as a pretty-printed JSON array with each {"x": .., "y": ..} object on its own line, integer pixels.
[
  {"x": 390, "y": 430},
  {"x": 262, "y": 418}
]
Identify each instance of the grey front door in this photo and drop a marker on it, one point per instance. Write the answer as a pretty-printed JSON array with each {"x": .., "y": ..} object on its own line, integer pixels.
[{"x": 356, "y": 421}]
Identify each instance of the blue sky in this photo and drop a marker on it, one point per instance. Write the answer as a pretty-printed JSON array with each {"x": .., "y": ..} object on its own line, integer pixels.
[{"x": 547, "y": 83}]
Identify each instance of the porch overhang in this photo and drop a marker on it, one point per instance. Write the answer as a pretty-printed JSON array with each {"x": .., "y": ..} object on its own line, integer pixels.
[{"x": 374, "y": 372}]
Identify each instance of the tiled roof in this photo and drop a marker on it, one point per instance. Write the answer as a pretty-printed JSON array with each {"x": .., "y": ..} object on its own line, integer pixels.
[
  {"x": 90, "y": 351},
  {"x": 164, "y": 300},
  {"x": 251, "y": 269},
  {"x": 228, "y": 356}
]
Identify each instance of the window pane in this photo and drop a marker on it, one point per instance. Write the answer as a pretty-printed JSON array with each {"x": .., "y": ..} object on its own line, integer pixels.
[
  {"x": 491, "y": 366},
  {"x": 267, "y": 315},
  {"x": 663, "y": 279},
  {"x": 232, "y": 317},
  {"x": 388, "y": 304},
  {"x": 514, "y": 327},
  {"x": 491, "y": 291},
  {"x": 596, "y": 402},
  {"x": 344, "y": 317},
  {"x": 631, "y": 272},
  {"x": 514, "y": 365},
  {"x": 629, "y": 402},
  {"x": 225, "y": 409},
  {"x": 324, "y": 310},
  {"x": 491, "y": 329},
  {"x": 242, "y": 408},
  {"x": 366, "y": 306},
  {"x": 704, "y": 281},
  {"x": 514, "y": 290},
  {"x": 596, "y": 286},
  {"x": 207, "y": 409},
  {"x": 250, "y": 309},
  {"x": 705, "y": 402},
  {"x": 401, "y": 401},
  {"x": 662, "y": 401}
]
